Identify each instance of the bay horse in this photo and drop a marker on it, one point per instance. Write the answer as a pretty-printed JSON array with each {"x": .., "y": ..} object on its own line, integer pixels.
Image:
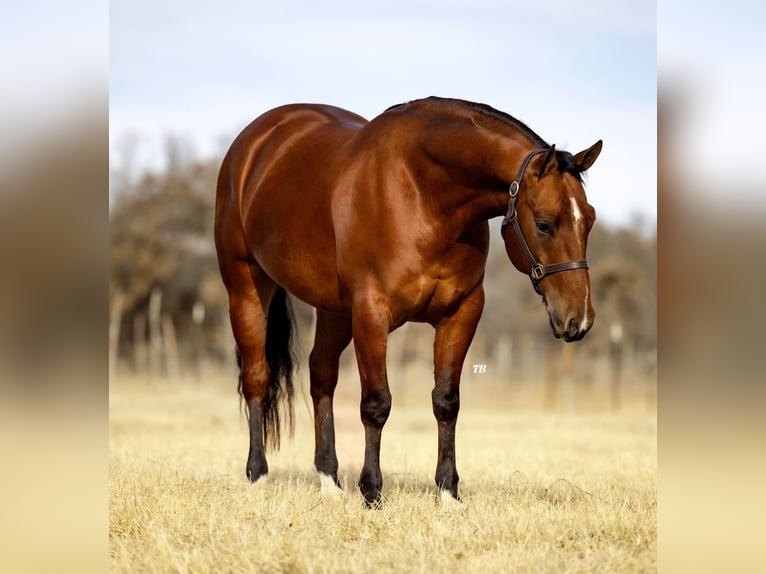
[{"x": 376, "y": 223}]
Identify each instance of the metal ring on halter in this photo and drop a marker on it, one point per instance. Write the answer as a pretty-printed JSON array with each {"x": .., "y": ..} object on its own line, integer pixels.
[
  {"x": 514, "y": 190},
  {"x": 538, "y": 272}
]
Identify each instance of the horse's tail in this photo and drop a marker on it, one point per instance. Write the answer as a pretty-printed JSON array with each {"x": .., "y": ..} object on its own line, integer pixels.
[{"x": 281, "y": 361}]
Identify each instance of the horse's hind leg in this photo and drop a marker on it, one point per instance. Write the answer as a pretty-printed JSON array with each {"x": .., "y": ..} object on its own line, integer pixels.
[
  {"x": 333, "y": 334},
  {"x": 453, "y": 337},
  {"x": 250, "y": 292}
]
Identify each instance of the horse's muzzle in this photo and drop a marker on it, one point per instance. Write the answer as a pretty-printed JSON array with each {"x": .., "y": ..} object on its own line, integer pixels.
[{"x": 571, "y": 331}]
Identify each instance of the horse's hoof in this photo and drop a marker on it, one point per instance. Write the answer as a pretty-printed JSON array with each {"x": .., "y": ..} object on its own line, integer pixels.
[
  {"x": 329, "y": 487},
  {"x": 372, "y": 499},
  {"x": 450, "y": 503},
  {"x": 373, "y": 503},
  {"x": 259, "y": 481}
]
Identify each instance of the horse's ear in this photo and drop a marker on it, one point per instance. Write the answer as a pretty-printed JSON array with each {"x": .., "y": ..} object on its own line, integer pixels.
[
  {"x": 586, "y": 157},
  {"x": 549, "y": 161}
]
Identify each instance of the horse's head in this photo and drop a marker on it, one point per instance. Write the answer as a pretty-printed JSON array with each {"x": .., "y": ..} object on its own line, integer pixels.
[{"x": 553, "y": 219}]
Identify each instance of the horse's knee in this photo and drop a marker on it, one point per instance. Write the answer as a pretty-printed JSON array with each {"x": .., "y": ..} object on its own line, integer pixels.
[
  {"x": 375, "y": 407},
  {"x": 446, "y": 401}
]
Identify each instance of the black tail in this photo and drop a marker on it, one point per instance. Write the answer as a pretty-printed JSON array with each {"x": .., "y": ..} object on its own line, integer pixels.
[{"x": 280, "y": 358}]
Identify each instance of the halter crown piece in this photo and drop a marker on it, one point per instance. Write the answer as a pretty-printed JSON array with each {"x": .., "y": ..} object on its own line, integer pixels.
[{"x": 538, "y": 269}]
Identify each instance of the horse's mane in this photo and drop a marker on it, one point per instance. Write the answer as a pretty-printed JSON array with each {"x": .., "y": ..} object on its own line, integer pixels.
[{"x": 566, "y": 161}]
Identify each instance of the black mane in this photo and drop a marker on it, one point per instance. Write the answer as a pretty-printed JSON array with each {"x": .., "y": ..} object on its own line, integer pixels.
[{"x": 566, "y": 160}]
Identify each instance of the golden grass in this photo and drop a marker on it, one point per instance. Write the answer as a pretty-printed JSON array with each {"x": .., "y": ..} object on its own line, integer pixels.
[{"x": 545, "y": 493}]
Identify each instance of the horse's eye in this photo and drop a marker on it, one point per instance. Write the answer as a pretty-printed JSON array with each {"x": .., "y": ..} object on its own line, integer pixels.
[{"x": 543, "y": 227}]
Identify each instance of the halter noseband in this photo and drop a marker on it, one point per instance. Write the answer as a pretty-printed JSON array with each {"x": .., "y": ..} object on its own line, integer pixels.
[{"x": 538, "y": 269}]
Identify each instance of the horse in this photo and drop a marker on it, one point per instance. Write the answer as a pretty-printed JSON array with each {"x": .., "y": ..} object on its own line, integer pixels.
[{"x": 376, "y": 223}]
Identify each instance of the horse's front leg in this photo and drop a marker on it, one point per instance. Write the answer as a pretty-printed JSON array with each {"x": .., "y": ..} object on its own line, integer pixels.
[
  {"x": 370, "y": 325},
  {"x": 333, "y": 334},
  {"x": 453, "y": 337}
]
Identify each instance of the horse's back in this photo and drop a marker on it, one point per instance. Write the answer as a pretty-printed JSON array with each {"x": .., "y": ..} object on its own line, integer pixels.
[
  {"x": 276, "y": 188},
  {"x": 287, "y": 134}
]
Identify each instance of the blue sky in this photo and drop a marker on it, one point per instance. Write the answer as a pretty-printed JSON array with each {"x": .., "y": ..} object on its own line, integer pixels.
[{"x": 574, "y": 72}]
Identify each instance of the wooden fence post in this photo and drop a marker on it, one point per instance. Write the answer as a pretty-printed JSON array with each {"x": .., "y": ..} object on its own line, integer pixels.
[
  {"x": 171, "y": 348},
  {"x": 155, "y": 333},
  {"x": 115, "y": 321},
  {"x": 139, "y": 344},
  {"x": 615, "y": 363}
]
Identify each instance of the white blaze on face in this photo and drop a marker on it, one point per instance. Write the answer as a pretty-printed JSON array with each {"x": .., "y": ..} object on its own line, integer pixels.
[
  {"x": 584, "y": 322},
  {"x": 577, "y": 217},
  {"x": 579, "y": 227}
]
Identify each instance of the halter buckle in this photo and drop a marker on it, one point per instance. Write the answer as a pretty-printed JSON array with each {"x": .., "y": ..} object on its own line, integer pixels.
[{"x": 538, "y": 272}]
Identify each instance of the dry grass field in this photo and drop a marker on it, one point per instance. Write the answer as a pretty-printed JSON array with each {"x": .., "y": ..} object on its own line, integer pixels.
[{"x": 562, "y": 493}]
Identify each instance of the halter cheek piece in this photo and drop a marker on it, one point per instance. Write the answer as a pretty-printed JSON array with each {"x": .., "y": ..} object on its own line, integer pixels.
[{"x": 538, "y": 269}]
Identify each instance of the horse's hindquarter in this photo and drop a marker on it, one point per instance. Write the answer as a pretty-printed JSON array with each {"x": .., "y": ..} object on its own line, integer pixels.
[{"x": 287, "y": 165}]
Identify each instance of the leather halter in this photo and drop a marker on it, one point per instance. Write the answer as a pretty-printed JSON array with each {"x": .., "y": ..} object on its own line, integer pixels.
[{"x": 538, "y": 269}]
